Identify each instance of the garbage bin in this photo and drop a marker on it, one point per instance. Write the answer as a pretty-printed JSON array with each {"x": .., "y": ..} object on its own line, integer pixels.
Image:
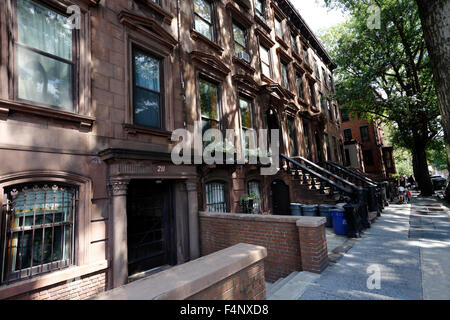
[
  {"x": 296, "y": 209},
  {"x": 324, "y": 211},
  {"x": 352, "y": 216},
  {"x": 339, "y": 222},
  {"x": 310, "y": 210}
]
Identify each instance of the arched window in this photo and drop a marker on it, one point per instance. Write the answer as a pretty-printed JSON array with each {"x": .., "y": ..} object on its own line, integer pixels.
[
  {"x": 38, "y": 226},
  {"x": 215, "y": 197}
]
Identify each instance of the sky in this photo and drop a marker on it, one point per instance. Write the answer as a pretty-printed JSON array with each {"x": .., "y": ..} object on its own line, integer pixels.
[{"x": 316, "y": 15}]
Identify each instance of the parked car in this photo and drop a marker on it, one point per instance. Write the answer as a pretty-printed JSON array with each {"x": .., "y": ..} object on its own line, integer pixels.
[
  {"x": 447, "y": 192},
  {"x": 438, "y": 182}
]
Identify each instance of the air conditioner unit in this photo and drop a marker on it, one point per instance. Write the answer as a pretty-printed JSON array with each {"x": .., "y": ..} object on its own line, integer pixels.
[{"x": 244, "y": 56}]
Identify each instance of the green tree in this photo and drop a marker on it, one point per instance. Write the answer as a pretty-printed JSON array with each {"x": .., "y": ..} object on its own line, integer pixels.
[{"x": 384, "y": 72}]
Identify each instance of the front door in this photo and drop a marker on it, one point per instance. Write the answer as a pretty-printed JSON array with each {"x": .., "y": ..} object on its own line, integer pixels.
[
  {"x": 280, "y": 198},
  {"x": 150, "y": 225}
]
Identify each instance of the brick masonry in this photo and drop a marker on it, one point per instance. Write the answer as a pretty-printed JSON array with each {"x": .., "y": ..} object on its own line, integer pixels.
[
  {"x": 75, "y": 289},
  {"x": 278, "y": 234},
  {"x": 314, "y": 251},
  {"x": 248, "y": 284}
]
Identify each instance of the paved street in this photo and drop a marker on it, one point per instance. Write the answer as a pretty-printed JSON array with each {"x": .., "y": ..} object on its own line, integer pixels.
[{"x": 410, "y": 244}]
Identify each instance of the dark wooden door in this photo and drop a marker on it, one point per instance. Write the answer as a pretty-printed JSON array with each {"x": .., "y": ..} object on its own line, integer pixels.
[
  {"x": 280, "y": 198},
  {"x": 150, "y": 226}
]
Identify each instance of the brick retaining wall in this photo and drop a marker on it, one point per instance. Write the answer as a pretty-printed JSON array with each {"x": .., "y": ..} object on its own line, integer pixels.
[{"x": 280, "y": 235}]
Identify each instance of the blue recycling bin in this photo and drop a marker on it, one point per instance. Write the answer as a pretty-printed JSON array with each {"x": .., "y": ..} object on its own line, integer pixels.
[
  {"x": 296, "y": 209},
  {"x": 310, "y": 210},
  {"x": 339, "y": 222},
  {"x": 324, "y": 211}
]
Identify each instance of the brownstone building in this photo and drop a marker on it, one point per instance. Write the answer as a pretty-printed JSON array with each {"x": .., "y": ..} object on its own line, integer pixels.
[
  {"x": 90, "y": 194},
  {"x": 365, "y": 146}
]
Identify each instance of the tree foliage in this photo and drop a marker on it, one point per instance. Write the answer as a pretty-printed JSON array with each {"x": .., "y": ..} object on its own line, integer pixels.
[{"x": 385, "y": 73}]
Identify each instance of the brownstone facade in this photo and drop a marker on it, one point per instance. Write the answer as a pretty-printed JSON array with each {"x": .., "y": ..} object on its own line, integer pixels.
[{"x": 91, "y": 115}]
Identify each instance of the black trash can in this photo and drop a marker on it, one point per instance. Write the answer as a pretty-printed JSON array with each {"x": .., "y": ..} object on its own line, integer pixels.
[{"x": 354, "y": 226}]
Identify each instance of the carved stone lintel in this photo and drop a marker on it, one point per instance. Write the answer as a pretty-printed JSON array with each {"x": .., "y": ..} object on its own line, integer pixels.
[{"x": 118, "y": 187}]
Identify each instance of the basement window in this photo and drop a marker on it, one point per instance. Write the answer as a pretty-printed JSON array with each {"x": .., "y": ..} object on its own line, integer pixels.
[{"x": 39, "y": 226}]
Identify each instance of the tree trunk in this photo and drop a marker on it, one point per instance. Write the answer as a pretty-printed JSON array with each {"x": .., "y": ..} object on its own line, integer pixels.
[
  {"x": 434, "y": 15},
  {"x": 420, "y": 167}
]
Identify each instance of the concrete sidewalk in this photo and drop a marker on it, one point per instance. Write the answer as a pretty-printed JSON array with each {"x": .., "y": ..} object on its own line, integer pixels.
[{"x": 409, "y": 248}]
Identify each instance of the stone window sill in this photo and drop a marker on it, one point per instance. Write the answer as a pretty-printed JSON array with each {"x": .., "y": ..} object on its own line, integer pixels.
[
  {"x": 199, "y": 37},
  {"x": 244, "y": 64},
  {"x": 7, "y": 106},
  {"x": 263, "y": 24},
  {"x": 134, "y": 129}
]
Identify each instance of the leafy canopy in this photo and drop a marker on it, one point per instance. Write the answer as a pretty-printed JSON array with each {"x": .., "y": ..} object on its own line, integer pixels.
[{"x": 385, "y": 73}]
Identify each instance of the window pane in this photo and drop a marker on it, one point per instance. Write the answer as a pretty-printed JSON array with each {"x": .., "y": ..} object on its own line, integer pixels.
[
  {"x": 215, "y": 197},
  {"x": 300, "y": 86},
  {"x": 43, "y": 29},
  {"x": 203, "y": 9},
  {"x": 264, "y": 55},
  {"x": 253, "y": 189},
  {"x": 203, "y": 28},
  {"x": 294, "y": 43},
  {"x": 146, "y": 108},
  {"x": 38, "y": 205},
  {"x": 284, "y": 76},
  {"x": 292, "y": 136},
  {"x": 278, "y": 28},
  {"x": 147, "y": 71},
  {"x": 44, "y": 80},
  {"x": 246, "y": 113},
  {"x": 208, "y": 99},
  {"x": 259, "y": 7},
  {"x": 239, "y": 35}
]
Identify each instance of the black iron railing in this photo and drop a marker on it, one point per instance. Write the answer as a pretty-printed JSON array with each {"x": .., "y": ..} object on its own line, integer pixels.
[{"x": 317, "y": 174}]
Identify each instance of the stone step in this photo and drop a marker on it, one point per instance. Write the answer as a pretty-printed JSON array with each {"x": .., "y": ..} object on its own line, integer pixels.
[
  {"x": 295, "y": 287},
  {"x": 280, "y": 283}
]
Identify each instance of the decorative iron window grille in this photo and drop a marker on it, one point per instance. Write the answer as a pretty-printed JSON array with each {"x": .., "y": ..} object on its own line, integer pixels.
[
  {"x": 215, "y": 197},
  {"x": 38, "y": 227}
]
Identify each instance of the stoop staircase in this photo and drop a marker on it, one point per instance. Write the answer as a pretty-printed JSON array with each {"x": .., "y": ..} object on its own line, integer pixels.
[
  {"x": 292, "y": 287},
  {"x": 322, "y": 185}
]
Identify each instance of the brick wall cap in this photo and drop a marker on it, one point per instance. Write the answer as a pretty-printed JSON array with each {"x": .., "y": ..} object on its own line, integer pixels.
[
  {"x": 251, "y": 217},
  {"x": 185, "y": 280},
  {"x": 311, "y": 221}
]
